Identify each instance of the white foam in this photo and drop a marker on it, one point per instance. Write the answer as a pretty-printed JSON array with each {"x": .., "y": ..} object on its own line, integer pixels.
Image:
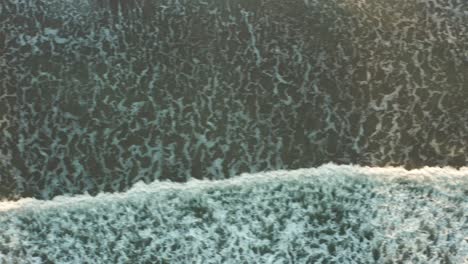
[
  {"x": 346, "y": 213},
  {"x": 430, "y": 175}
]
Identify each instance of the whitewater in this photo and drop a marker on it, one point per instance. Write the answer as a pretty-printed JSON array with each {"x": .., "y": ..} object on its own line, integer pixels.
[{"x": 329, "y": 214}]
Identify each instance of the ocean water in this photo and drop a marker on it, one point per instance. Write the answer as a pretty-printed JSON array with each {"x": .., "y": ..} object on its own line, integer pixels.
[
  {"x": 330, "y": 214},
  {"x": 98, "y": 95}
]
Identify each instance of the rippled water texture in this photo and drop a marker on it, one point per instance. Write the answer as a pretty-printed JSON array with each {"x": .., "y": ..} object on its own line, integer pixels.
[{"x": 95, "y": 98}]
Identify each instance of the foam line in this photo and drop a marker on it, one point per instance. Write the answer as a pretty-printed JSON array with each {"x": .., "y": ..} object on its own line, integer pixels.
[
  {"x": 429, "y": 174},
  {"x": 333, "y": 213}
]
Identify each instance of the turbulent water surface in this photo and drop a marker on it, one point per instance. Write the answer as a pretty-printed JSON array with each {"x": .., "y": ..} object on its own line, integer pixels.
[
  {"x": 95, "y": 98},
  {"x": 331, "y": 214}
]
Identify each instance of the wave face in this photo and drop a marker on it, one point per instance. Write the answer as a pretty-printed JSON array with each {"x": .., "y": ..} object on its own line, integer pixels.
[
  {"x": 94, "y": 97},
  {"x": 330, "y": 214}
]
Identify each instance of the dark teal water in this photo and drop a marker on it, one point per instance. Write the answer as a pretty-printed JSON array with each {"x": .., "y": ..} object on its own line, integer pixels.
[{"x": 94, "y": 97}]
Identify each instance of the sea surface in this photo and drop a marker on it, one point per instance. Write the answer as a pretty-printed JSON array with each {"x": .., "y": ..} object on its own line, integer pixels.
[{"x": 98, "y": 95}]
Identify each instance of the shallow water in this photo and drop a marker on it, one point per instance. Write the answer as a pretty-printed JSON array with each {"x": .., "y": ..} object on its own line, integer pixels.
[
  {"x": 95, "y": 99},
  {"x": 330, "y": 214}
]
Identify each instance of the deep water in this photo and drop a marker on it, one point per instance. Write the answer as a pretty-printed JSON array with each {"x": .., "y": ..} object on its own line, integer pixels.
[{"x": 94, "y": 97}]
